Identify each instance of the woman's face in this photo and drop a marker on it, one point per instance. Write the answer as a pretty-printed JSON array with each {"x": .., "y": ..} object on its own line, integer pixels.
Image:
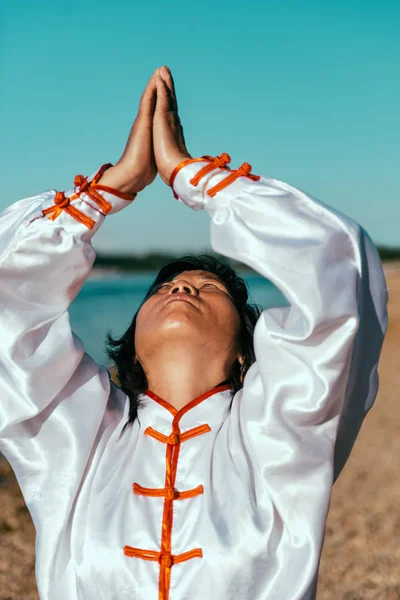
[{"x": 194, "y": 308}]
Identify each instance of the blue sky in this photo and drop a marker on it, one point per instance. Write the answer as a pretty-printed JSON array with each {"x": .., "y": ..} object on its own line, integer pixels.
[{"x": 306, "y": 91}]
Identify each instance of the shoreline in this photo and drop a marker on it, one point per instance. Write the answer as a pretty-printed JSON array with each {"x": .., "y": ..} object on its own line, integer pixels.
[{"x": 98, "y": 273}]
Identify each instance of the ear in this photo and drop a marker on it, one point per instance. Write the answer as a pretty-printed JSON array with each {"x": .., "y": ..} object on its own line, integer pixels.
[{"x": 241, "y": 361}]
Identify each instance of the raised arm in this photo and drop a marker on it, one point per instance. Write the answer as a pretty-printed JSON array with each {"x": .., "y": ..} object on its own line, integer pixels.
[
  {"x": 53, "y": 397},
  {"x": 315, "y": 375},
  {"x": 323, "y": 262}
]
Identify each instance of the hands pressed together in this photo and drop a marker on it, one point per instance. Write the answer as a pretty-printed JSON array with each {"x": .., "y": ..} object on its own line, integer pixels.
[{"x": 156, "y": 141}]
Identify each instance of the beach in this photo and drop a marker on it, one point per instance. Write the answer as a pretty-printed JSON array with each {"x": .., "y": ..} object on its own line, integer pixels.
[{"x": 361, "y": 555}]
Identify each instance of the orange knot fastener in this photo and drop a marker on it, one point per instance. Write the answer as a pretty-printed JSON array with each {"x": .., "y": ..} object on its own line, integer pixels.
[
  {"x": 214, "y": 163},
  {"x": 60, "y": 200},
  {"x": 81, "y": 182},
  {"x": 166, "y": 560},
  {"x": 89, "y": 189},
  {"x": 173, "y": 439},
  {"x": 177, "y": 438},
  {"x": 170, "y": 493},
  {"x": 92, "y": 190},
  {"x": 219, "y": 162},
  {"x": 61, "y": 203},
  {"x": 243, "y": 171},
  {"x": 78, "y": 180}
]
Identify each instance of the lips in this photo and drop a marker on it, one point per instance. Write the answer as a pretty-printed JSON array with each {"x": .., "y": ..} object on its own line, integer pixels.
[{"x": 179, "y": 296}]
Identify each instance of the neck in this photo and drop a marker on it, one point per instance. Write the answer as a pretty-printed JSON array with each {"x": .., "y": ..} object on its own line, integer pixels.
[{"x": 179, "y": 376}]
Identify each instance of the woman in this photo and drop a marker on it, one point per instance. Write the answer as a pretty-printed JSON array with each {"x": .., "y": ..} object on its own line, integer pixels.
[{"x": 198, "y": 495}]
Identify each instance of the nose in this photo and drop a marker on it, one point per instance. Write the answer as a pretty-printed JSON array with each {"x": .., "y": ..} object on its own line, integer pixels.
[{"x": 183, "y": 286}]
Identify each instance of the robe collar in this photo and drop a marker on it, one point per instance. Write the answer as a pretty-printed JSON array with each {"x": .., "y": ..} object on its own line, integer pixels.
[{"x": 210, "y": 408}]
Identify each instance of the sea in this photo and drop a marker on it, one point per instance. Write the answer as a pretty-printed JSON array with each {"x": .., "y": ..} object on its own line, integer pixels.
[{"x": 108, "y": 303}]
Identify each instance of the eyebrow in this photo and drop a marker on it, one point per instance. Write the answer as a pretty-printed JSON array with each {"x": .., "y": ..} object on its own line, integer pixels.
[{"x": 204, "y": 277}]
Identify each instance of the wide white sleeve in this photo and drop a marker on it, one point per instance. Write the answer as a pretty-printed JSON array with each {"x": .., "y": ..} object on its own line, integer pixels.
[
  {"x": 315, "y": 375},
  {"x": 53, "y": 396}
]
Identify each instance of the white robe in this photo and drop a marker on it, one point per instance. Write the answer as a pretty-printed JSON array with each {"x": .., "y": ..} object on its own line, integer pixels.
[{"x": 268, "y": 458}]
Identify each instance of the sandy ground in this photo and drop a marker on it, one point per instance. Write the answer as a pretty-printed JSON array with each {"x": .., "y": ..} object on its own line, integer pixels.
[{"x": 361, "y": 557}]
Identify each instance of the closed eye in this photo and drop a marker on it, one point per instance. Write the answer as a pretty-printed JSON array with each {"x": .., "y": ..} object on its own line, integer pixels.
[{"x": 208, "y": 284}]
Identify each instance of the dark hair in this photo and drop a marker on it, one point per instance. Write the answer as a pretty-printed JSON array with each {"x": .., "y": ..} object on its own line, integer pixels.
[{"x": 131, "y": 377}]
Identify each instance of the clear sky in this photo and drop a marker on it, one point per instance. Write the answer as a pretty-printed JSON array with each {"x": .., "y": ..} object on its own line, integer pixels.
[{"x": 306, "y": 91}]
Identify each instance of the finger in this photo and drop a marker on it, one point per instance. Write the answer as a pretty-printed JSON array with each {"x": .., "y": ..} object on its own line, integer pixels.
[
  {"x": 148, "y": 99},
  {"x": 166, "y": 75},
  {"x": 165, "y": 102},
  {"x": 144, "y": 120}
]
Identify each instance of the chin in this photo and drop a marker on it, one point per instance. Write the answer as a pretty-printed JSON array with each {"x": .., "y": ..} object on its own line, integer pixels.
[{"x": 179, "y": 325}]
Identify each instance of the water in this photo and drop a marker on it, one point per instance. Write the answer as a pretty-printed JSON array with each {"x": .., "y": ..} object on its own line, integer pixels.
[{"x": 110, "y": 303}]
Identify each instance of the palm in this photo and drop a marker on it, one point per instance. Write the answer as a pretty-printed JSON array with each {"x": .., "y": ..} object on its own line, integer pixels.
[
  {"x": 155, "y": 141},
  {"x": 137, "y": 168},
  {"x": 168, "y": 139}
]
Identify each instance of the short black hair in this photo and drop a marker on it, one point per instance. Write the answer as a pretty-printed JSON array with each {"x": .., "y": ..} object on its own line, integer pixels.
[{"x": 131, "y": 377}]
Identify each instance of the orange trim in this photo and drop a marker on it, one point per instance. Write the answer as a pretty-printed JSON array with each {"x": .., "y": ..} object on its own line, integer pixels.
[
  {"x": 173, "y": 444},
  {"x": 243, "y": 171},
  {"x": 214, "y": 163},
  {"x": 170, "y": 493},
  {"x": 179, "y": 167},
  {"x": 62, "y": 203},
  {"x": 101, "y": 172},
  {"x": 113, "y": 191},
  {"x": 85, "y": 187},
  {"x": 106, "y": 188},
  {"x": 192, "y": 403},
  {"x": 197, "y": 552},
  {"x": 175, "y": 438},
  {"x": 191, "y": 493},
  {"x": 163, "y": 402},
  {"x": 145, "y": 554},
  {"x": 217, "y": 162},
  {"x": 167, "y": 559},
  {"x": 90, "y": 189}
]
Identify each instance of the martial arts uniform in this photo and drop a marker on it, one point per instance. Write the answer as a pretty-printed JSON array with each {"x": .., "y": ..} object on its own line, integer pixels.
[{"x": 225, "y": 498}]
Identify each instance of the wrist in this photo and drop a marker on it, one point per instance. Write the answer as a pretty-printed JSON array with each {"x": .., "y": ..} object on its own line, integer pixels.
[
  {"x": 118, "y": 178},
  {"x": 173, "y": 165}
]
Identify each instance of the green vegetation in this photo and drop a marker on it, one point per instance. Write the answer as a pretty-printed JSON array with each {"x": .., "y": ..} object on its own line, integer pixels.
[
  {"x": 389, "y": 252},
  {"x": 153, "y": 261}
]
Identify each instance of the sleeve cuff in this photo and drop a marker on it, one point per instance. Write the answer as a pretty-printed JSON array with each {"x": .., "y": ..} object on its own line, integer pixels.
[
  {"x": 115, "y": 198},
  {"x": 196, "y": 195},
  {"x": 86, "y": 205}
]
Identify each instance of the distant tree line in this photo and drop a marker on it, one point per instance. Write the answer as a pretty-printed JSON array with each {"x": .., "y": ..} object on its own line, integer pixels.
[
  {"x": 389, "y": 252},
  {"x": 153, "y": 261}
]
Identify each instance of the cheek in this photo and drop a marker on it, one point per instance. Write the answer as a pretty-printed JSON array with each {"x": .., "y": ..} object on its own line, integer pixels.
[
  {"x": 228, "y": 319},
  {"x": 143, "y": 322}
]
